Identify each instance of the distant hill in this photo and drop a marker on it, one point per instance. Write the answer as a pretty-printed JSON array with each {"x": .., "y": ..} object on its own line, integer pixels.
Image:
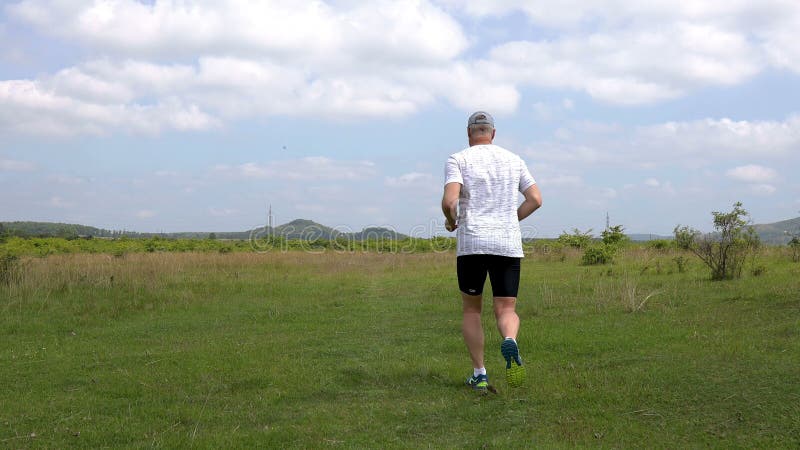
[
  {"x": 308, "y": 229},
  {"x": 50, "y": 229},
  {"x": 778, "y": 233},
  {"x": 642, "y": 237},
  {"x": 297, "y": 229}
]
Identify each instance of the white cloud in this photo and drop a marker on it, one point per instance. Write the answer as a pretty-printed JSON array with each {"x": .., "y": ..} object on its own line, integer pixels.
[
  {"x": 16, "y": 166},
  {"x": 58, "y": 202},
  {"x": 608, "y": 192},
  {"x": 652, "y": 182},
  {"x": 752, "y": 173},
  {"x": 310, "y": 208},
  {"x": 312, "y": 168},
  {"x": 632, "y": 66},
  {"x": 417, "y": 32},
  {"x": 195, "y": 65},
  {"x": 550, "y": 111},
  {"x": 410, "y": 180},
  {"x": 241, "y": 59},
  {"x": 561, "y": 180},
  {"x": 608, "y": 13},
  {"x": 29, "y": 107},
  {"x": 145, "y": 214},
  {"x": 720, "y": 137},
  {"x": 644, "y": 52},
  {"x": 67, "y": 179},
  {"x": 222, "y": 212},
  {"x": 763, "y": 189},
  {"x": 694, "y": 145}
]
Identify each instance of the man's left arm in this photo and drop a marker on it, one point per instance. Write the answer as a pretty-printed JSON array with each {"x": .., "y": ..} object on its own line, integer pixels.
[{"x": 533, "y": 201}]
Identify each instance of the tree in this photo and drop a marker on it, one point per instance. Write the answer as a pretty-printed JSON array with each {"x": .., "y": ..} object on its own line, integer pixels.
[
  {"x": 603, "y": 253},
  {"x": 726, "y": 250},
  {"x": 794, "y": 244},
  {"x": 684, "y": 237},
  {"x": 614, "y": 235}
]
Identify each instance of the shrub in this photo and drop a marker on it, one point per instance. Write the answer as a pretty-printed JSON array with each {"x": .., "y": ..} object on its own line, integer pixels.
[
  {"x": 577, "y": 239},
  {"x": 725, "y": 251},
  {"x": 8, "y": 268},
  {"x": 684, "y": 237},
  {"x": 680, "y": 262},
  {"x": 614, "y": 236},
  {"x": 659, "y": 244},
  {"x": 794, "y": 244},
  {"x": 598, "y": 254}
]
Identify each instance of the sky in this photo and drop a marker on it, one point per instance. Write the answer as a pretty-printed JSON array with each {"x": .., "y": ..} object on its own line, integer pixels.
[{"x": 195, "y": 115}]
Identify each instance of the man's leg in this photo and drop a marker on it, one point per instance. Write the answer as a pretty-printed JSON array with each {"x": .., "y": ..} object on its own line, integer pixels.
[
  {"x": 506, "y": 315},
  {"x": 472, "y": 329},
  {"x": 504, "y": 274}
]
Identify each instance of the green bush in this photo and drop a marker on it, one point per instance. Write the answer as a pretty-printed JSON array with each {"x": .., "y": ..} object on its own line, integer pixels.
[
  {"x": 726, "y": 250},
  {"x": 680, "y": 262},
  {"x": 598, "y": 254},
  {"x": 794, "y": 244},
  {"x": 659, "y": 244},
  {"x": 614, "y": 236},
  {"x": 684, "y": 237},
  {"x": 578, "y": 238},
  {"x": 9, "y": 265}
]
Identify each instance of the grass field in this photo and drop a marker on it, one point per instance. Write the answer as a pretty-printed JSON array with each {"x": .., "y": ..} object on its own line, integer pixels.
[{"x": 294, "y": 349}]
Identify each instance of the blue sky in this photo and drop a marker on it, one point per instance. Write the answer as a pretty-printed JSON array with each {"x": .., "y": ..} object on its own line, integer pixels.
[{"x": 194, "y": 115}]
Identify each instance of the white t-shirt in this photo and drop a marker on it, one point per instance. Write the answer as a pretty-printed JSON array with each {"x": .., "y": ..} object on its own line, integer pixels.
[{"x": 491, "y": 179}]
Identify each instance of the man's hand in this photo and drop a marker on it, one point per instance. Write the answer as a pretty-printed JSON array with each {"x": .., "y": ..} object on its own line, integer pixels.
[{"x": 450, "y": 226}]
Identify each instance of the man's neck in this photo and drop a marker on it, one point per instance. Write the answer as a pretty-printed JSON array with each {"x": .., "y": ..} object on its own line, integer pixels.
[{"x": 480, "y": 141}]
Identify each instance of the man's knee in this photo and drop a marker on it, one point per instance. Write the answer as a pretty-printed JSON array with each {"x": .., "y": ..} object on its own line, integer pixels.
[
  {"x": 472, "y": 303},
  {"x": 504, "y": 304}
]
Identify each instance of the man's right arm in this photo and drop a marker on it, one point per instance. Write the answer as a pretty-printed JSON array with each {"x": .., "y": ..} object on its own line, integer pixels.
[
  {"x": 449, "y": 205},
  {"x": 533, "y": 201}
]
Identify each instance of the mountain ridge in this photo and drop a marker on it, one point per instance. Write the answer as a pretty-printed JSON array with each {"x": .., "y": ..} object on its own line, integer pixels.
[
  {"x": 295, "y": 229},
  {"x": 776, "y": 233}
]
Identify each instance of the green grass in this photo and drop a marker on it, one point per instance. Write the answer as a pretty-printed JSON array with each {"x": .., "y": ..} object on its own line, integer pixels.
[{"x": 364, "y": 350}]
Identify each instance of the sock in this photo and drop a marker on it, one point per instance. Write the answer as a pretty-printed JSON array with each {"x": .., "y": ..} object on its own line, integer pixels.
[
  {"x": 515, "y": 341},
  {"x": 481, "y": 371}
]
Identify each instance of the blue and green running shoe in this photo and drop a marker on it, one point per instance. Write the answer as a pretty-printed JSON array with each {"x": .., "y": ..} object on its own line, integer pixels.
[
  {"x": 515, "y": 370},
  {"x": 479, "y": 383}
]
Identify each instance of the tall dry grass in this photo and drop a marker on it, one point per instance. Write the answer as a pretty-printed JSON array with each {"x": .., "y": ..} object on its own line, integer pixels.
[{"x": 38, "y": 278}]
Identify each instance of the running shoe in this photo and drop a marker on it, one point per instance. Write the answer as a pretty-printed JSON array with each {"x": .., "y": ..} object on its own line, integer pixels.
[
  {"x": 479, "y": 383},
  {"x": 515, "y": 370}
]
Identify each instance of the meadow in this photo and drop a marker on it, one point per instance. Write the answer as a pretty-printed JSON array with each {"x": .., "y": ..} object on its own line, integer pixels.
[{"x": 362, "y": 349}]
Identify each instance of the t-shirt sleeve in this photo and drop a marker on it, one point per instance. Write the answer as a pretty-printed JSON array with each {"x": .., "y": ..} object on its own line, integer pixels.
[
  {"x": 452, "y": 171},
  {"x": 525, "y": 178}
]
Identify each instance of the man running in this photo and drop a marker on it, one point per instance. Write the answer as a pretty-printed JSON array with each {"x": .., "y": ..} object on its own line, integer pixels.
[{"x": 481, "y": 201}]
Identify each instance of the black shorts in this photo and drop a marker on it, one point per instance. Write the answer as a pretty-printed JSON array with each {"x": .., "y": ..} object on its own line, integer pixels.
[{"x": 503, "y": 274}]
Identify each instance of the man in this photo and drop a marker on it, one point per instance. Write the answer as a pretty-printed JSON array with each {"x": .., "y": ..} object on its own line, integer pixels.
[{"x": 483, "y": 182}]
